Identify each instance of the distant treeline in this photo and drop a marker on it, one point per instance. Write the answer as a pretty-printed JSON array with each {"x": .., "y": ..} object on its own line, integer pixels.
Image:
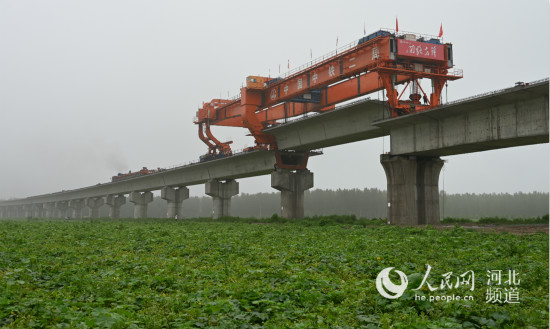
[
  {"x": 367, "y": 203},
  {"x": 517, "y": 205}
]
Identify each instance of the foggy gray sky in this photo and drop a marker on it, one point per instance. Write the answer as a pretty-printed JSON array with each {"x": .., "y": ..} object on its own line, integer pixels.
[{"x": 91, "y": 88}]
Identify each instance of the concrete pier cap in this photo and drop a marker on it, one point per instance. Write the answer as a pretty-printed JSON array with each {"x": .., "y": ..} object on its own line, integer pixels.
[
  {"x": 292, "y": 185},
  {"x": 174, "y": 196},
  {"x": 76, "y": 205},
  {"x": 94, "y": 204},
  {"x": 141, "y": 200},
  {"x": 115, "y": 202},
  {"x": 221, "y": 193}
]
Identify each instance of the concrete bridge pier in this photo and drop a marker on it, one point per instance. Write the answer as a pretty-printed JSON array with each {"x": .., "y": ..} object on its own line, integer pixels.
[
  {"x": 27, "y": 211},
  {"x": 221, "y": 194},
  {"x": 76, "y": 205},
  {"x": 62, "y": 207},
  {"x": 38, "y": 210},
  {"x": 413, "y": 189},
  {"x": 17, "y": 212},
  {"x": 140, "y": 201},
  {"x": 49, "y": 210},
  {"x": 292, "y": 186},
  {"x": 115, "y": 202},
  {"x": 94, "y": 204},
  {"x": 12, "y": 212},
  {"x": 174, "y": 197}
]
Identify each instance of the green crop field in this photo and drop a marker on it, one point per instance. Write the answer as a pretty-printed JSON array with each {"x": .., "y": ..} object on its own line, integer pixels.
[{"x": 307, "y": 274}]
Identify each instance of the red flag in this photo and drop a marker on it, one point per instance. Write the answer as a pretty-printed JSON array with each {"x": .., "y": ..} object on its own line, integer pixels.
[
  {"x": 288, "y": 65},
  {"x": 396, "y": 25},
  {"x": 441, "y": 30}
]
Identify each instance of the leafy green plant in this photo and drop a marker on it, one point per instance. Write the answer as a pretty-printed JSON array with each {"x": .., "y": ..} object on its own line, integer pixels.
[
  {"x": 255, "y": 273},
  {"x": 497, "y": 220}
]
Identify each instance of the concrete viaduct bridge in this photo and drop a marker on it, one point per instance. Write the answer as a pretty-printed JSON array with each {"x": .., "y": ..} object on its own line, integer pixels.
[{"x": 511, "y": 117}]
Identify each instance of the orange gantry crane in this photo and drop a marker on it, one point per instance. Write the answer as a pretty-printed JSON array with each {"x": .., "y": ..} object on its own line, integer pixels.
[{"x": 380, "y": 61}]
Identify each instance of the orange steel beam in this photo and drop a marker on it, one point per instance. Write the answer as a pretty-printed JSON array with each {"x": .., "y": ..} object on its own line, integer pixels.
[
  {"x": 340, "y": 67},
  {"x": 232, "y": 115}
]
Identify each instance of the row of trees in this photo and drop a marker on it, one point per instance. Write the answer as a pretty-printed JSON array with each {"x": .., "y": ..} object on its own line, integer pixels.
[{"x": 367, "y": 203}]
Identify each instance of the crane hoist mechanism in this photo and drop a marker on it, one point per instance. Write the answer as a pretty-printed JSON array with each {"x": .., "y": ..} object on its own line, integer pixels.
[{"x": 383, "y": 60}]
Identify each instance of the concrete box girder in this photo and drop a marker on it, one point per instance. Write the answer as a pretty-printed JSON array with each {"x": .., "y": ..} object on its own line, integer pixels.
[
  {"x": 493, "y": 122},
  {"x": 242, "y": 165},
  {"x": 344, "y": 125}
]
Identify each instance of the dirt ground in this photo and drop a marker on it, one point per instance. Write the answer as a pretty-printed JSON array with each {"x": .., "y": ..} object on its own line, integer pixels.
[{"x": 514, "y": 229}]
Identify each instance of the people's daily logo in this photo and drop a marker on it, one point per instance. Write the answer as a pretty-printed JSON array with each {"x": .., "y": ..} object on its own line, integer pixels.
[
  {"x": 387, "y": 288},
  {"x": 502, "y": 286}
]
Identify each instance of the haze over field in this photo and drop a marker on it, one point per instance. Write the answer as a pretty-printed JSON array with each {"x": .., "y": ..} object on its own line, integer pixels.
[
  {"x": 90, "y": 89},
  {"x": 366, "y": 203}
]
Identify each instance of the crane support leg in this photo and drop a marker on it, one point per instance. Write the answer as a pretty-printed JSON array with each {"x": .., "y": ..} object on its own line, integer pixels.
[
  {"x": 435, "y": 97},
  {"x": 391, "y": 93},
  {"x": 250, "y": 121},
  {"x": 205, "y": 139}
]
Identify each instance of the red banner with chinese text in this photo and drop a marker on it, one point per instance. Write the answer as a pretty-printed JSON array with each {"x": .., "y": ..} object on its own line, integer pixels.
[{"x": 420, "y": 49}]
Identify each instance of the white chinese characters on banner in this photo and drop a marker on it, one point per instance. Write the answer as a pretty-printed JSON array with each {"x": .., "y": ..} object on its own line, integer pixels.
[
  {"x": 331, "y": 72},
  {"x": 420, "y": 49},
  {"x": 375, "y": 53}
]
